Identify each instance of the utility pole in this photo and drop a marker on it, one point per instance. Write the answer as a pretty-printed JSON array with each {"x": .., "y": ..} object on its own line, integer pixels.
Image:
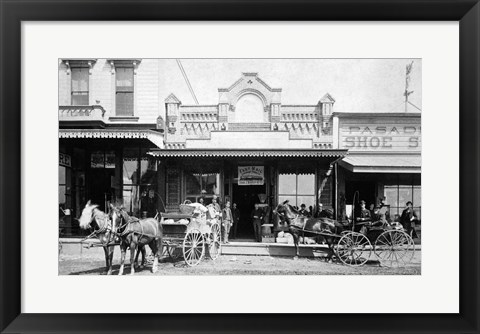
[
  {"x": 187, "y": 81},
  {"x": 407, "y": 84}
]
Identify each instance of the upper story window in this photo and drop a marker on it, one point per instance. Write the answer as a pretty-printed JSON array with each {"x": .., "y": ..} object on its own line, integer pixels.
[
  {"x": 79, "y": 71},
  {"x": 124, "y": 91},
  {"x": 79, "y": 86},
  {"x": 124, "y": 71}
]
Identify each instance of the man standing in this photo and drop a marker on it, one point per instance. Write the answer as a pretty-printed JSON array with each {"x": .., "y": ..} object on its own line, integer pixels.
[
  {"x": 149, "y": 205},
  {"x": 236, "y": 220},
  {"x": 227, "y": 220},
  {"x": 215, "y": 204},
  {"x": 257, "y": 216},
  {"x": 408, "y": 218}
]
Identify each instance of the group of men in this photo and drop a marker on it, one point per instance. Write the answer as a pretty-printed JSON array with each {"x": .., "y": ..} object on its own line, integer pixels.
[
  {"x": 229, "y": 217},
  {"x": 380, "y": 214}
]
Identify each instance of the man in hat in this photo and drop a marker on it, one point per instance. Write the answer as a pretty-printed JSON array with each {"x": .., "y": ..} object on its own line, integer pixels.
[
  {"x": 227, "y": 220},
  {"x": 257, "y": 216},
  {"x": 364, "y": 215},
  {"x": 236, "y": 220},
  {"x": 408, "y": 219},
  {"x": 303, "y": 210},
  {"x": 215, "y": 204}
]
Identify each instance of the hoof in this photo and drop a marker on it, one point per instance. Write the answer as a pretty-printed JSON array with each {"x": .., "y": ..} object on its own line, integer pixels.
[
  {"x": 154, "y": 271},
  {"x": 131, "y": 274},
  {"x": 295, "y": 257},
  {"x": 109, "y": 272},
  {"x": 120, "y": 273}
]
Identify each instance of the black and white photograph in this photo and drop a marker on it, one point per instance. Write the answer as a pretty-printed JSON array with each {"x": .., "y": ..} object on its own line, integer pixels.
[{"x": 240, "y": 166}]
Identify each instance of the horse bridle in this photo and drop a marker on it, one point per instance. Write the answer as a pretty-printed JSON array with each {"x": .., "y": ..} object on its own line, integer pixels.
[
  {"x": 100, "y": 230},
  {"x": 124, "y": 225}
]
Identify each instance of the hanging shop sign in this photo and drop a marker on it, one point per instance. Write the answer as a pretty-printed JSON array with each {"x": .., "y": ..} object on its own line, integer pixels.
[
  {"x": 65, "y": 160},
  {"x": 251, "y": 175}
]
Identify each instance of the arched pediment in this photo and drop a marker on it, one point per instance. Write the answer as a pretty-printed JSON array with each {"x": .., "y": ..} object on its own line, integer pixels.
[{"x": 249, "y": 83}]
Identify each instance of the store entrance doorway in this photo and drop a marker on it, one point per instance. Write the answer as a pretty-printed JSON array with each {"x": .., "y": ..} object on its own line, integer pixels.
[
  {"x": 101, "y": 190},
  {"x": 246, "y": 197}
]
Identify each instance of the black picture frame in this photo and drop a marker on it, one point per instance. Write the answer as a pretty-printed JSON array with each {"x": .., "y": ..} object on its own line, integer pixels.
[{"x": 467, "y": 12}]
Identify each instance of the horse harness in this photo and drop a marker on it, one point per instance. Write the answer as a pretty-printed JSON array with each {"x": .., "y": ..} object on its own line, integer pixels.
[
  {"x": 106, "y": 228},
  {"x": 126, "y": 231}
]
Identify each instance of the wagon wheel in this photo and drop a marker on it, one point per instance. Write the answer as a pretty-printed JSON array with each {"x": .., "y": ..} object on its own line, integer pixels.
[
  {"x": 353, "y": 249},
  {"x": 193, "y": 247},
  {"x": 214, "y": 245},
  {"x": 394, "y": 248}
]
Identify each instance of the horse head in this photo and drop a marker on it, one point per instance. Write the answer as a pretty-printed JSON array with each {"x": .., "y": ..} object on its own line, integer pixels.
[
  {"x": 119, "y": 218},
  {"x": 87, "y": 215}
]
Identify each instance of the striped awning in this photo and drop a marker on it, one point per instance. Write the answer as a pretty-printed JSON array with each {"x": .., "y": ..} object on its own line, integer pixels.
[
  {"x": 155, "y": 137},
  {"x": 291, "y": 153}
]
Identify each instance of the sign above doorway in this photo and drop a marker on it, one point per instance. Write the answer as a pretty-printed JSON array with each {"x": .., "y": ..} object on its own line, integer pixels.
[{"x": 251, "y": 175}]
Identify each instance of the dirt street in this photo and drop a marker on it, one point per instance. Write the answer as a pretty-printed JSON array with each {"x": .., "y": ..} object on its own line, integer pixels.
[{"x": 237, "y": 265}]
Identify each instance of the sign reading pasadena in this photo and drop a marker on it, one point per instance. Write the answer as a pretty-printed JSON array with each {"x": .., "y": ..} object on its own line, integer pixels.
[
  {"x": 381, "y": 137},
  {"x": 251, "y": 175}
]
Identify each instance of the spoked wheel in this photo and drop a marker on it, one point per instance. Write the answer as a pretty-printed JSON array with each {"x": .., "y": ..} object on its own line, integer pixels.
[
  {"x": 193, "y": 247},
  {"x": 394, "y": 248},
  {"x": 353, "y": 249},
  {"x": 214, "y": 245}
]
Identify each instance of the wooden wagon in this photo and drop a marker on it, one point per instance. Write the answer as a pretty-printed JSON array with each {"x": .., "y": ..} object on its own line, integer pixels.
[{"x": 192, "y": 236}]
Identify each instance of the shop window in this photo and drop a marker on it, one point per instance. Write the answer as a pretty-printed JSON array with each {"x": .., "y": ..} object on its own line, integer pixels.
[
  {"x": 297, "y": 188},
  {"x": 139, "y": 176},
  {"x": 130, "y": 198},
  {"x": 201, "y": 185},
  {"x": 398, "y": 195},
  {"x": 79, "y": 89},
  {"x": 130, "y": 166},
  {"x": 124, "y": 91},
  {"x": 62, "y": 185}
]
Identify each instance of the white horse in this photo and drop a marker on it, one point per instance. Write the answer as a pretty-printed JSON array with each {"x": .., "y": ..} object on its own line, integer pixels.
[{"x": 103, "y": 229}]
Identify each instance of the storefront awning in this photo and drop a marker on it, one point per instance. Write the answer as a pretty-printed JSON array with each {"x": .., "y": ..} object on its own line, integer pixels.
[
  {"x": 293, "y": 153},
  {"x": 153, "y": 136},
  {"x": 383, "y": 163}
]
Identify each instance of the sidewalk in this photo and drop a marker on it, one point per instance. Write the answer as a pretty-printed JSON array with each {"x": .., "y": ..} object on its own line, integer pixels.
[{"x": 73, "y": 246}]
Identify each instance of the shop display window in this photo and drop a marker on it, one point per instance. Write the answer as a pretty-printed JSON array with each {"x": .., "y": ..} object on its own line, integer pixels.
[
  {"x": 398, "y": 195},
  {"x": 297, "y": 188}
]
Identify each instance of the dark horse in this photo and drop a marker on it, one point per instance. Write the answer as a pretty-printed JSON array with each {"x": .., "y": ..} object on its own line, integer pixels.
[
  {"x": 307, "y": 226},
  {"x": 103, "y": 229},
  {"x": 136, "y": 233}
]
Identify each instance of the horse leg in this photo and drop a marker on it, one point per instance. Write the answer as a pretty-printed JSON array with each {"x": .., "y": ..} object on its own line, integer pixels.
[
  {"x": 295, "y": 242},
  {"x": 142, "y": 251},
  {"x": 156, "y": 247},
  {"x": 107, "y": 263},
  {"x": 133, "y": 248},
  {"x": 330, "y": 249},
  {"x": 123, "y": 249},
  {"x": 110, "y": 259}
]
